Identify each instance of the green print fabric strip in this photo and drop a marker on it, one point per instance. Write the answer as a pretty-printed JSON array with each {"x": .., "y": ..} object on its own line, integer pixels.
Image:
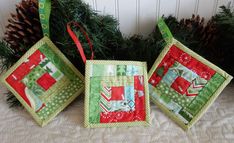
[
  {"x": 59, "y": 99},
  {"x": 116, "y": 70},
  {"x": 118, "y": 81},
  {"x": 94, "y": 100},
  {"x": 205, "y": 94}
]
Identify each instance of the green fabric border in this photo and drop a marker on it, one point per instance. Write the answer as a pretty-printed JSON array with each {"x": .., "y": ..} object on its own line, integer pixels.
[
  {"x": 204, "y": 61},
  {"x": 87, "y": 94},
  {"x": 43, "y": 41},
  {"x": 95, "y": 109}
]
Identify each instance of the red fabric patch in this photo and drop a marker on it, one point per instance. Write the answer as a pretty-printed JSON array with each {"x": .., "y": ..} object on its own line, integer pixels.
[
  {"x": 139, "y": 83},
  {"x": 139, "y": 99},
  {"x": 46, "y": 81},
  {"x": 117, "y": 93},
  {"x": 35, "y": 58},
  {"x": 122, "y": 116},
  {"x": 180, "y": 85},
  {"x": 154, "y": 79},
  {"x": 14, "y": 79}
]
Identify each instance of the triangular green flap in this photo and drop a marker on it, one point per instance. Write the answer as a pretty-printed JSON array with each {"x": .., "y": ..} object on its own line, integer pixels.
[{"x": 44, "y": 81}]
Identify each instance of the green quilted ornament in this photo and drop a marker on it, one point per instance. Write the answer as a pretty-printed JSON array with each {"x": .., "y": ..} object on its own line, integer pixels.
[
  {"x": 44, "y": 81},
  {"x": 182, "y": 83}
]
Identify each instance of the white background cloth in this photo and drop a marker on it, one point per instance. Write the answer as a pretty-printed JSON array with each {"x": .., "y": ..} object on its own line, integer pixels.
[{"x": 216, "y": 126}]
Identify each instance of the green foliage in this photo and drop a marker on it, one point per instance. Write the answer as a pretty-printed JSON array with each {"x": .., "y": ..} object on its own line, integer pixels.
[
  {"x": 222, "y": 52},
  {"x": 102, "y": 30},
  {"x": 12, "y": 100},
  {"x": 8, "y": 56},
  {"x": 109, "y": 43},
  {"x": 137, "y": 48},
  {"x": 186, "y": 35}
]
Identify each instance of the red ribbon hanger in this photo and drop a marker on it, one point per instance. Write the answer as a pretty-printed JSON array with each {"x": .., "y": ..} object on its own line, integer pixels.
[{"x": 77, "y": 41}]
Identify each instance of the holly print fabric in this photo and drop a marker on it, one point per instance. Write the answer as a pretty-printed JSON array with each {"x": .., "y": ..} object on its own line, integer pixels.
[
  {"x": 184, "y": 84},
  {"x": 44, "y": 81},
  {"x": 116, "y": 94}
]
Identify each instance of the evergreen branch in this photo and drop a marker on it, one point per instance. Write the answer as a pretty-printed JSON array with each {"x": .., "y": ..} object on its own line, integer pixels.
[
  {"x": 12, "y": 100},
  {"x": 7, "y": 56}
]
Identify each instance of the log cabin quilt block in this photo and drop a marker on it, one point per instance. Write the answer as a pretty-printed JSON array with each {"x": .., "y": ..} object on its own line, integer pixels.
[
  {"x": 183, "y": 84},
  {"x": 116, "y": 94},
  {"x": 44, "y": 81}
]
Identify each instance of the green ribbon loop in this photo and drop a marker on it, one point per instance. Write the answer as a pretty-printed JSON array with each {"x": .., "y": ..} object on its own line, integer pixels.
[
  {"x": 165, "y": 31},
  {"x": 44, "y": 14}
]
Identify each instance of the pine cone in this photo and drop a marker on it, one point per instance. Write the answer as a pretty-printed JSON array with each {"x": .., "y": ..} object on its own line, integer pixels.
[
  {"x": 195, "y": 23},
  {"x": 24, "y": 26},
  {"x": 205, "y": 33}
]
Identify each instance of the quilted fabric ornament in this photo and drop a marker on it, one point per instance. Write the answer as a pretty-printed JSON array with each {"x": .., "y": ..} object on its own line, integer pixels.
[
  {"x": 44, "y": 81},
  {"x": 116, "y": 92},
  {"x": 182, "y": 83}
]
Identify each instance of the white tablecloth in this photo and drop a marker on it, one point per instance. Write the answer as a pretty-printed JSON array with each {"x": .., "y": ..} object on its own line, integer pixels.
[{"x": 217, "y": 125}]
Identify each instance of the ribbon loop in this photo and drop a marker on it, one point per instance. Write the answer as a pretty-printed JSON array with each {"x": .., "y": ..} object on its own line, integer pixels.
[
  {"x": 44, "y": 14},
  {"x": 77, "y": 42},
  {"x": 165, "y": 31}
]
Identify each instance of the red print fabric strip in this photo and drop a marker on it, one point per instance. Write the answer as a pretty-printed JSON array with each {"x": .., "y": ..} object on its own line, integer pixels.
[
  {"x": 176, "y": 54},
  {"x": 191, "y": 63},
  {"x": 122, "y": 116}
]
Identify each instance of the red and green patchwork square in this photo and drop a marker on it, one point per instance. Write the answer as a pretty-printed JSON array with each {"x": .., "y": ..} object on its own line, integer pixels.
[
  {"x": 44, "y": 81},
  {"x": 116, "y": 94},
  {"x": 183, "y": 84}
]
